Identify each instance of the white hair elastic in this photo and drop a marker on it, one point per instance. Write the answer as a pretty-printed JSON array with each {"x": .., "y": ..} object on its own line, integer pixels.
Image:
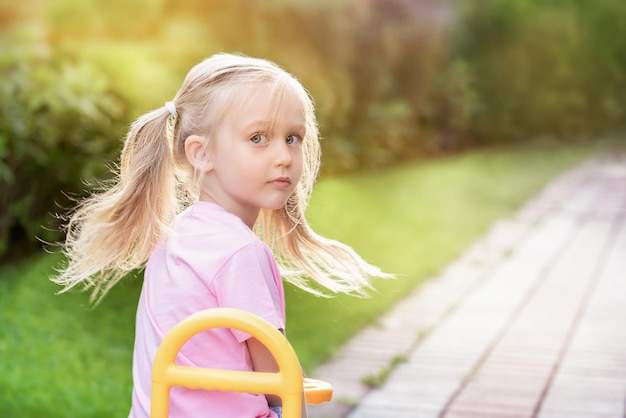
[{"x": 171, "y": 108}]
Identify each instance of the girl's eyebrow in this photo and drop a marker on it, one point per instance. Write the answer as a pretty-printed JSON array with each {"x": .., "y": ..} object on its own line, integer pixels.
[{"x": 255, "y": 124}]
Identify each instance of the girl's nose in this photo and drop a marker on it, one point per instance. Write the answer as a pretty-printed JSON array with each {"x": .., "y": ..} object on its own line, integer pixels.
[{"x": 282, "y": 153}]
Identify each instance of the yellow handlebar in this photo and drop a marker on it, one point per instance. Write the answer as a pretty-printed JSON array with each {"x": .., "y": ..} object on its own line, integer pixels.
[
  {"x": 287, "y": 383},
  {"x": 317, "y": 391}
]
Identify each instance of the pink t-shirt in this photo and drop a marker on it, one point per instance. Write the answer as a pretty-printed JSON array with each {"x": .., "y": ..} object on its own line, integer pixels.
[{"x": 211, "y": 259}]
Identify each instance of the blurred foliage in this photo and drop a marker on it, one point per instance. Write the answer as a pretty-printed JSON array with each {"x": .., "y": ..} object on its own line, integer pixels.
[
  {"x": 545, "y": 68},
  {"x": 393, "y": 79},
  {"x": 59, "y": 123}
]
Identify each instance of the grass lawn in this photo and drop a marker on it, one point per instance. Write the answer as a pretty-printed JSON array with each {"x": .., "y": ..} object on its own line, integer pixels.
[{"x": 61, "y": 358}]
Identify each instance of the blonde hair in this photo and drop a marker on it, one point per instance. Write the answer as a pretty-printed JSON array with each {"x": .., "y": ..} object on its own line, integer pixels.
[{"x": 114, "y": 231}]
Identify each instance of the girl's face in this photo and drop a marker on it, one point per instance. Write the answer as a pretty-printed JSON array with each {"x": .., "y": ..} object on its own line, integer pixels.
[{"x": 256, "y": 155}]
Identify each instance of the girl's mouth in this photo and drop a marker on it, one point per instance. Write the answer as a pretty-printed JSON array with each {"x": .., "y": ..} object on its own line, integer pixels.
[{"x": 281, "y": 182}]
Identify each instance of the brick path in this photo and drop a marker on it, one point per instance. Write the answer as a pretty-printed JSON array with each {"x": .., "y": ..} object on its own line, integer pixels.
[{"x": 529, "y": 322}]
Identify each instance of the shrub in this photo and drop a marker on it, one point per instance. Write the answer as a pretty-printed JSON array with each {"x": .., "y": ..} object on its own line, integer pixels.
[
  {"x": 59, "y": 127},
  {"x": 548, "y": 68}
]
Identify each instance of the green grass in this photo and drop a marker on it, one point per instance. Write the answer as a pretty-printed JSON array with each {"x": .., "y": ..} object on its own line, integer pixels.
[
  {"x": 58, "y": 356},
  {"x": 61, "y": 358}
]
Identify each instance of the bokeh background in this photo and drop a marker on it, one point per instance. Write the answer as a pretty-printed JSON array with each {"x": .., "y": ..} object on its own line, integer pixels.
[
  {"x": 393, "y": 79},
  {"x": 437, "y": 117}
]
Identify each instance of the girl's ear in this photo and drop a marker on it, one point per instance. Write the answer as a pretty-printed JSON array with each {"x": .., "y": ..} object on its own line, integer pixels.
[{"x": 197, "y": 153}]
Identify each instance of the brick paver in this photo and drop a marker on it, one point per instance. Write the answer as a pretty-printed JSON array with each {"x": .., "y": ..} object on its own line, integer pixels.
[{"x": 529, "y": 322}]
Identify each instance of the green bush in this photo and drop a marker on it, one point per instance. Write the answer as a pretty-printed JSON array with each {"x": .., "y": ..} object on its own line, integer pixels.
[
  {"x": 59, "y": 127},
  {"x": 392, "y": 79},
  {"x": 544, "y": 67}
]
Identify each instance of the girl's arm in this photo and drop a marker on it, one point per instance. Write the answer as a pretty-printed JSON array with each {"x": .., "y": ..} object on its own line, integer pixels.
[{"x": 263, "y": 361}]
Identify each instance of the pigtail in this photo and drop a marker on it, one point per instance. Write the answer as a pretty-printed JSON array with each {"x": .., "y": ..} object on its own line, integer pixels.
[
  {"x": 312, "y": 262},
  {"x": 114, "y": 232}
]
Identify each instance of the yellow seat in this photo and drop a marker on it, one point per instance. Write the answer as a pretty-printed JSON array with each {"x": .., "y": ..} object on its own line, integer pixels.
[{"x": 287, "y": 383}]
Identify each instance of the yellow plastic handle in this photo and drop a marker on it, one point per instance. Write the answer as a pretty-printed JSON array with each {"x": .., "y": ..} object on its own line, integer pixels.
[
  {"x": 317, "y": 391},
  {"x": 287, "y": 383}
]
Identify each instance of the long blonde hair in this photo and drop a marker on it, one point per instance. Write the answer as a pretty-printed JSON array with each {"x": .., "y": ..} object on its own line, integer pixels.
[{"x": 114, "y": 231}]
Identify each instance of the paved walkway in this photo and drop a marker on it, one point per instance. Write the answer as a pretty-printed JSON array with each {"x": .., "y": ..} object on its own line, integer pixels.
[{"x": 529, "y": 322}]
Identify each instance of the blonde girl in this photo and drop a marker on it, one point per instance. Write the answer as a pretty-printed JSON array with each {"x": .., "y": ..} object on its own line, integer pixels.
[{"x": 207, "y": 185}]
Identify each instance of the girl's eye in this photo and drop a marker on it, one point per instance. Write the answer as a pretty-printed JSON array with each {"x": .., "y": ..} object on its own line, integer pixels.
[
  {"x": 293, "y": 139},
  {"x": 259, "y": 139}
]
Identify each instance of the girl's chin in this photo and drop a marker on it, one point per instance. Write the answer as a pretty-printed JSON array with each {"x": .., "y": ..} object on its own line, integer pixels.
[{"x": 277, "y": 206}]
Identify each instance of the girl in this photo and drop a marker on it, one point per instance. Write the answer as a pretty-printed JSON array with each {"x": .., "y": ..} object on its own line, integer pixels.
[{"x": 235, "y": 151}]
